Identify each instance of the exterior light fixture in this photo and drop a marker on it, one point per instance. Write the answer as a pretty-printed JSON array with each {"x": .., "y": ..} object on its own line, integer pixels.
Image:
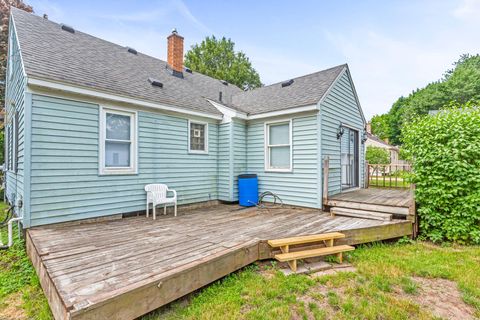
[{"x": 340, "y": 131}]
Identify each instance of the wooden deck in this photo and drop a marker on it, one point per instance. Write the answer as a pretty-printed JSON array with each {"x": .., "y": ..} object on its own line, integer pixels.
[
  {"x": 377, "y": 196},
  {"x": 124, "y": 268}
]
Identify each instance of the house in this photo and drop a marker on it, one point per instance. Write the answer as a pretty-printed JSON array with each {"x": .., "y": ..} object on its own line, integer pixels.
[
  {"x": 89, "y": 123},
  {"x": 374, "y": 141}
]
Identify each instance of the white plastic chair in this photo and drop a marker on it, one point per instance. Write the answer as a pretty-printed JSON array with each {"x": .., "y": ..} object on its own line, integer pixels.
[{"x": 157, "y": 194}]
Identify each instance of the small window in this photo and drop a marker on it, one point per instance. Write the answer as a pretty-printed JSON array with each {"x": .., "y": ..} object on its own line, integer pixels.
[
  {"x": 117, "y": 142},
  {"x": 278, "y": 146},
  {"x": 197, "y": 137}
]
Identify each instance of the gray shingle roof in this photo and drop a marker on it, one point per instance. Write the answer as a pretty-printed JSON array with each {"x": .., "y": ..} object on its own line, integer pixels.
[
  {"x": 51, "y": 53},
  {"x": 304, "y": 90}
]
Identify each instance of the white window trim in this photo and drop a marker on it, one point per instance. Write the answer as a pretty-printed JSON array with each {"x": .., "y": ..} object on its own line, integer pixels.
[
  {"x": 267, "y": 146},
  {"x": 206, "y": 137},
  {"x": 132, "y": 169}
]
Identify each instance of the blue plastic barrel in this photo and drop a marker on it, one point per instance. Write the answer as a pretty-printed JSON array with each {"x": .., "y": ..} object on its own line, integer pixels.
[{"x": 247, "y": 190}]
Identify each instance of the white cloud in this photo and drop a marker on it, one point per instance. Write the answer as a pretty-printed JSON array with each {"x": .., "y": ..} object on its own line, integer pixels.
[
  {"x": 468, "y": 10},
  {"x": 385, "y": 68},
  {"x": 186, "y": 13},
  {"x": 274, "y": 66}
]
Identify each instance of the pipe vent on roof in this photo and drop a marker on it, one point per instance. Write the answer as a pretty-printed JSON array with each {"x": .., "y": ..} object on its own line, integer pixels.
[
  {"x": 225, "y": 83},
  {"x": 287, "y": 83},
  {"x": 155, "y": 82},
  {"x": 67, "y": 28},
  {"x": 131, "y": 50}
]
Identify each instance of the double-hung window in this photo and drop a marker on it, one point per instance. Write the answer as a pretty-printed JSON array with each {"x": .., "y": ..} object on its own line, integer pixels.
[
  {"x": 197, "y": 137},
  {"x": 118, "y": 141},
  {"x": 278, "y": 146}
]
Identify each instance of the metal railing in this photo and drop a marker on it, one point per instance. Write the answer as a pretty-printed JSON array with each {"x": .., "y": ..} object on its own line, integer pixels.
[{"x": 388, "y": 175}]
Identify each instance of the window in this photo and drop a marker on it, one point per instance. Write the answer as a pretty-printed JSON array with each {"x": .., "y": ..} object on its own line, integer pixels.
[
  {"x": 118, "y": 150},
  {"x": 278, "y": 146},
  {"x": 197, "y": 137}
]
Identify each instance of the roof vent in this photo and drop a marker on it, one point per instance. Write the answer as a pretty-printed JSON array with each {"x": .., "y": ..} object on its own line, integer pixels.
[
  {"x": 220, "y": 96},
  {"x": 131, "y": 50},
  {"x": 155, "y": 82},
  {"x": 67, "y": 28},
  {"x": 225, "y": 83},
  {"x": 287, "y": 83},
  {"x": 188, "y": 70}
]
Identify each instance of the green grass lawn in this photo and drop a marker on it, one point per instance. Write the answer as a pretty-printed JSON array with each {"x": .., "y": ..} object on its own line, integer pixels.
[
  {"x": 383, "y": 287},
  {"x": 20, "y": 292},
  {"x": 399, "y": 183}
]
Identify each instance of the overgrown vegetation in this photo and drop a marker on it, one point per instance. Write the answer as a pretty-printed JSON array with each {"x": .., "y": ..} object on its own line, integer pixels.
[
  {"x": 377, "y": 155},
  {"x": 459, "y": 85},
  {"x": 446, "y": 151}
]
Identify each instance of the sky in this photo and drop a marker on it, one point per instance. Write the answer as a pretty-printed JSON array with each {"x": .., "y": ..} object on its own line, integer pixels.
[{"x": 391, "y": 47}]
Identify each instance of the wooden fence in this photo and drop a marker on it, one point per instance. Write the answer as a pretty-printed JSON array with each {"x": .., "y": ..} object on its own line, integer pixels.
[{"x": 388, "y": 175}]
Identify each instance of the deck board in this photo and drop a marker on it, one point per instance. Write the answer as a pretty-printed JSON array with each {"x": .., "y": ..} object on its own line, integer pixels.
[
  {"x": 93, "y": 266},
  {"x": 381, "y": 196}
]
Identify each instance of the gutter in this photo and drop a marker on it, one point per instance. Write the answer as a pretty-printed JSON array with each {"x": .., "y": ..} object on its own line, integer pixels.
[{"x": 114, "y": 97}]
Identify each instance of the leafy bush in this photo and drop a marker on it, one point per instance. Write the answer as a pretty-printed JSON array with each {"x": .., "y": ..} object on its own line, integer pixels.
[
  {"x": 445, "y": 149},
  {"x": 377, "y": 155}
]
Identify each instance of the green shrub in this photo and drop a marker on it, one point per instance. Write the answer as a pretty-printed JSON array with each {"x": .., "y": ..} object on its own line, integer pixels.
[
  {"x": 377, "y": 155},
  {"x": 445, "y": 149}
]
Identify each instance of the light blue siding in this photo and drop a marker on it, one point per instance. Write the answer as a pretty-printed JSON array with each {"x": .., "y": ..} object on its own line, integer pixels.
[
  {"x": 15, "y": 102},
  {"x": 339, "y": 107},
  {"x": 232, "y": 158},
  {"x": 64, "y": 176},
  {"x": 239, "y": 153},
  {"x": 298, "y": 187},
  {"x": 224, "y": 181}
]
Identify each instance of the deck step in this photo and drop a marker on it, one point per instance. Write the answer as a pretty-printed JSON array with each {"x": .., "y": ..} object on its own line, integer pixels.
[
  {"x": 305, "y": 239},
  {"x": 283, "y": 257},
  {"x": 373, "y": 215},
  {"x": 369, "y": 207}
]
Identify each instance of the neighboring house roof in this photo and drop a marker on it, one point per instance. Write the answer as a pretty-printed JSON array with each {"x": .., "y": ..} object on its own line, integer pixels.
[
  {"x": 377, "y": 139},
  {"x": 79, "y": 59},
  {"x": 305, "y": 90}
]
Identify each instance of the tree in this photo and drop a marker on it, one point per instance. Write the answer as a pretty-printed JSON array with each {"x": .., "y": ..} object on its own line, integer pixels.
[
  {"x": 458, "y": 85},
  {"x": 5, "y": 14},
  {"x": 381, "y": 126},
  {"x": 217, "y": 58},
  {"x": 377, "y": 155}
]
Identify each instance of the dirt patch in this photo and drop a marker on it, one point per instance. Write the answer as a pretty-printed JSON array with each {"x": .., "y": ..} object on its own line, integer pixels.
[
  {"x": 334, "y": 270},
  {"x": 442, "y": 298},
  {"x": 9, "y": 308}
]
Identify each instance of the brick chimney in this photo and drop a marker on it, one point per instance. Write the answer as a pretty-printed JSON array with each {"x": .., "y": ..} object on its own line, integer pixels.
[
  {"x": 369, "y": 127},
  {"x": 175, "y": 53}
]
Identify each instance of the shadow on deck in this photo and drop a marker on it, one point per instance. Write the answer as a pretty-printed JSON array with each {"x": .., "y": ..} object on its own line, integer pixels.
[{"x": 124, "y": 268}]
